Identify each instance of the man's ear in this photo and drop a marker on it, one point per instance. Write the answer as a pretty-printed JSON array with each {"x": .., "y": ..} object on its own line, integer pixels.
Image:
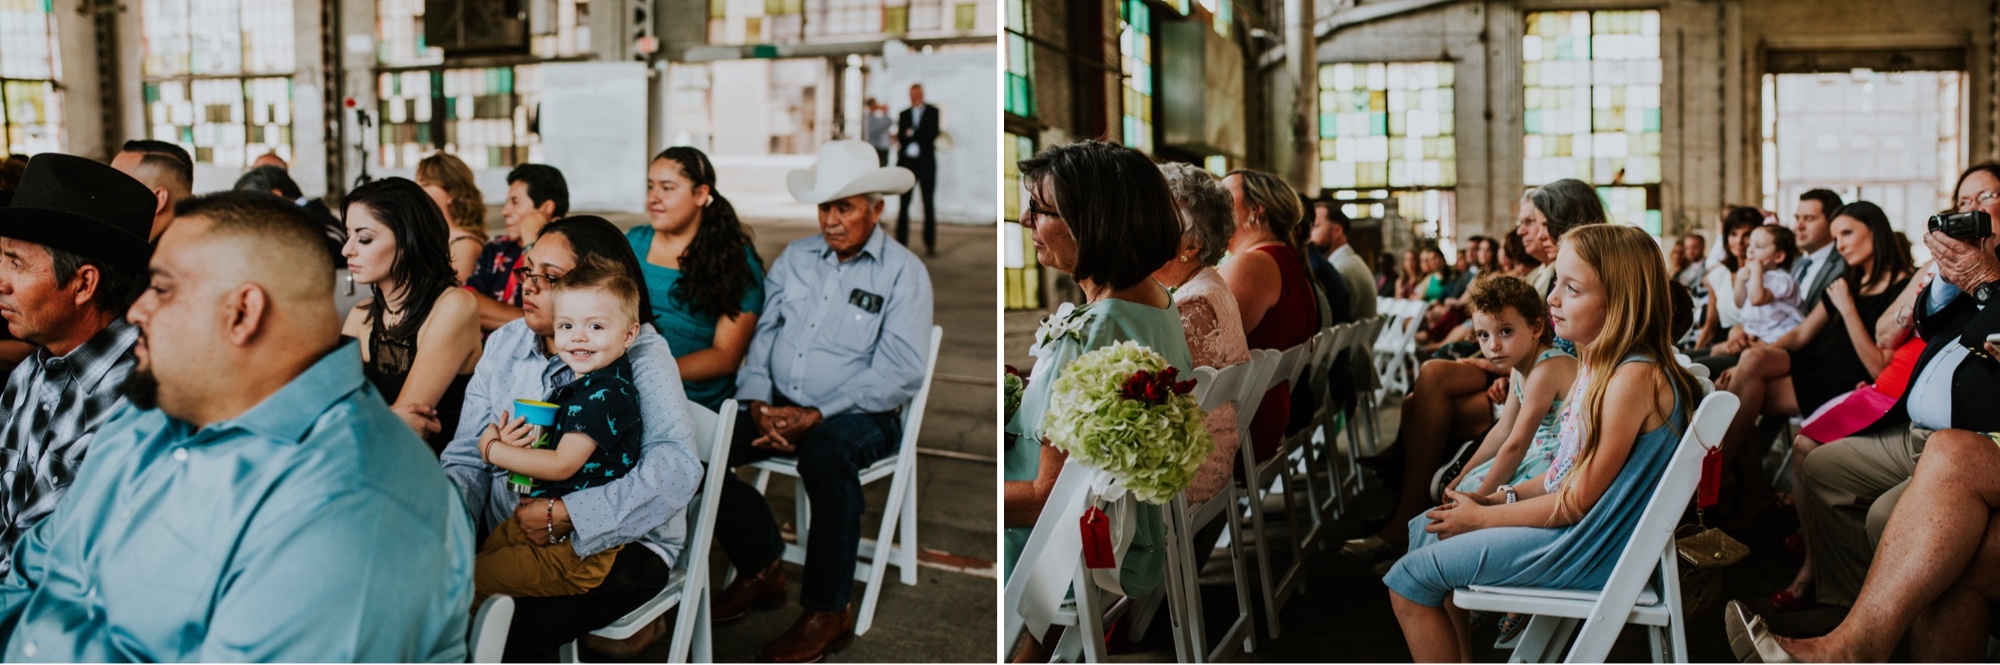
[
  {"x": 547, "y": 208},
  {"x": 163, "y": 201},
  {"x": 243, "y": 313},
  {"x": 87, "y": 283}
]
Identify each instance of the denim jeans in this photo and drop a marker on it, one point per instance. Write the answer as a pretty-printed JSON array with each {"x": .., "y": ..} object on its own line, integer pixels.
[{"x": 830, "y": 458}]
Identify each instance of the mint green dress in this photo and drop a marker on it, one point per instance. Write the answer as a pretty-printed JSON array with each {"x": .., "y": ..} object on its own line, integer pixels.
[
  {"x": 1541, "y": 450},
  {"x": 1105, "y": 322}
]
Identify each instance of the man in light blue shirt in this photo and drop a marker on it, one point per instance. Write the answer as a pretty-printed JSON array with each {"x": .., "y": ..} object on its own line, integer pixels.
[
  {"x": 841, "y": 345},
  {"x": 256, "y": 500},
  {"x": 645, "y": 507}
]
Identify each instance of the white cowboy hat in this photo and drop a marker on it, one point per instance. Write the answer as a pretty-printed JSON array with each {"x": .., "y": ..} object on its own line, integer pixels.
[{"x": 844, "y": 169}]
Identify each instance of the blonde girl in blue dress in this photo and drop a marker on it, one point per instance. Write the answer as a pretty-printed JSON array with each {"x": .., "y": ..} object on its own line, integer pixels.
[{"x": 1618, "y": 430}]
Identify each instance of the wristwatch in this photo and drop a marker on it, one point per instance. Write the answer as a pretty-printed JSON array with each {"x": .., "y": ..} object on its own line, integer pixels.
[
  {"x": 1509, "y": 491},
  {"x": 1986, "y": 293}
]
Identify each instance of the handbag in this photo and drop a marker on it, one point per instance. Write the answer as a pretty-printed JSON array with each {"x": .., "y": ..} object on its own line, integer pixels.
[{"x": 1704, "y": 552}]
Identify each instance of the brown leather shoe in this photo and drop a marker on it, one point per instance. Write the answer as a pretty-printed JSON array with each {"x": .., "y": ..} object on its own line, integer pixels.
[
  {"x": 764, "y": 591},
  {"x": 811, "y": 638}
]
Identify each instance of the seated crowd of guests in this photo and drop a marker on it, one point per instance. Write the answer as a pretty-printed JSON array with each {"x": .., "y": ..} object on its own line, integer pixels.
[
  {"x": 1146, "y": 243},
  {"x": 1828, "y": 319},
  {"x": 213, "y": 456}
]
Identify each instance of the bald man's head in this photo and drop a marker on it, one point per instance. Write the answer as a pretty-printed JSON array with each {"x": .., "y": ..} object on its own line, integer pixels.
[
  {"x": 269, "y": 241},
  {"x": 240, "y": 302}
]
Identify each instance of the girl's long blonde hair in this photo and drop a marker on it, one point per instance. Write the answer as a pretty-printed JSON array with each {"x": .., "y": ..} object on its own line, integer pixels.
[{"x": 1638, "y": 320}]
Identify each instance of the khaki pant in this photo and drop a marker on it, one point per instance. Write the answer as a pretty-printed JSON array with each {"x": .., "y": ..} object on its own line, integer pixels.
[
  {"x": 509, "y": 563},
  {"x": 1848, "y": 489}
]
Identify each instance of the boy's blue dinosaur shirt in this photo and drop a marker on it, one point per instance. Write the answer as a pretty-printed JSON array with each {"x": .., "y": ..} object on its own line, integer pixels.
[{"x": 604, "y": 405}]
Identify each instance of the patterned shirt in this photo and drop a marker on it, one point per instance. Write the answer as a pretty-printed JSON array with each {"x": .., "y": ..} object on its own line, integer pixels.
[
  {"x": 1569, "y": 433},
  {"x": 52, "y": 408},
  {"x": 494, "y": 274},
  {"x": 603, "y": 405}
]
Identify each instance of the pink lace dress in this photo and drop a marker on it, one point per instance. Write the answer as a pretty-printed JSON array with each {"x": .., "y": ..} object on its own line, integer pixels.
[{"x": 1215, "y": 339}]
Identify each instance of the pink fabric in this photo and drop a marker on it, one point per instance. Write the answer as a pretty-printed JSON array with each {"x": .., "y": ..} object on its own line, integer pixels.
[
  {"x": 1214, "y": 332},
  {"x": 1846, "y": 415}
]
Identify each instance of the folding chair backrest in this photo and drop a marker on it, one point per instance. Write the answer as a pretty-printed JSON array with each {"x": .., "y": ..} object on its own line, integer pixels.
[
  {"x": 913, "y": 413},
  {"x": 1263, "y": 363},
  {"x": 1642, "y": 555},
  {"x": 1214, "y": 388}
]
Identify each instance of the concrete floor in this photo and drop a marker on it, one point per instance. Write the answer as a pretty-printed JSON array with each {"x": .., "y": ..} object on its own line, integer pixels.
[
  {"x": 1344, "y": 616},
  {"x": 948, "y": 616}
]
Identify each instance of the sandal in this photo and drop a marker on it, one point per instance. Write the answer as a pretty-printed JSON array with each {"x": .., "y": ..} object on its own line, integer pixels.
[{"x": 1510, "y": 627}]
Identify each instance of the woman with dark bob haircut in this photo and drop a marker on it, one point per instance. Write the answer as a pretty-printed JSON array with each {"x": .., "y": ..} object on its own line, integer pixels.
[
  {"x": 1100, "y": 212},
  {"x": 419, "y": 333}
]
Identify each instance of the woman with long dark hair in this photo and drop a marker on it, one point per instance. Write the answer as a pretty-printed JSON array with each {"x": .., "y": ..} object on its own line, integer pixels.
[
  {"x": 419, "y": 333},
  {"x": 1829, "y": 352},
  {"x": 1722, "y": 313},
  {"x": 702, "y": 273}
]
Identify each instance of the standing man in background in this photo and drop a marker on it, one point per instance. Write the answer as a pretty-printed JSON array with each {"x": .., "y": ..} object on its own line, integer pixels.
[
  {"x": 875, "y": 127},
  {"x": 916, "y": 132}
]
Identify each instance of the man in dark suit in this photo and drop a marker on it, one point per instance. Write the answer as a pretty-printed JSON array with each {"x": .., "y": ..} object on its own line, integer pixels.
[{"x": 916, "y": 131}]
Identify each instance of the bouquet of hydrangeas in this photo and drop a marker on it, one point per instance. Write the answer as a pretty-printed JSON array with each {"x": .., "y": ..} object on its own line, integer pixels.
[{"x": 1119, "y": 410}]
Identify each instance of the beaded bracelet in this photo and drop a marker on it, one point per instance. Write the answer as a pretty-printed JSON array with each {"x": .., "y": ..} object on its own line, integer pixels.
[{"x": 553, "y": 538}]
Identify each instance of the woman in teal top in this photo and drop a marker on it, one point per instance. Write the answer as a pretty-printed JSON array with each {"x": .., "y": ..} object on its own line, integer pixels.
[
  {"x": 1101, "y": 213},
  {"x": 708, "y": 317}
]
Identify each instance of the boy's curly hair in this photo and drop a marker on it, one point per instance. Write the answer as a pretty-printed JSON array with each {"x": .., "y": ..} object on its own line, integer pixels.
[{"x": 1495, "y": 294}]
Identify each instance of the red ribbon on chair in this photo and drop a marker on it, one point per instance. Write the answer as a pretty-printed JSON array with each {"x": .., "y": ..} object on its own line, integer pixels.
[
  {"x": 1097, "y": 549},
  {"x": 1710, "y": 490}
]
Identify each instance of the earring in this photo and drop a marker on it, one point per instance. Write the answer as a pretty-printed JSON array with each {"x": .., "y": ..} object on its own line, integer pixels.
[{"x": 1184, "y": 258}]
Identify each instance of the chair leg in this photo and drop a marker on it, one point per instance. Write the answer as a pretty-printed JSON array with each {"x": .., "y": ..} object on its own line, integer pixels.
[
  {"x": 1245, "y": 611},
  {"x": 885, "y": 553},
  {"x": 801, "y": 517},
  {"x": 906, "y": 549},
  {"x": 1534, "y": 641},
  {"x": 567, "y": 653},
  {"x": 1089, "y": 615},
  {"x": 1656, "y": 637}
]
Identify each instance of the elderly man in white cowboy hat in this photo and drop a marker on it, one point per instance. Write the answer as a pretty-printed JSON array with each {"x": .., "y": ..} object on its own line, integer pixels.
[{"x": 840, "y": 347}]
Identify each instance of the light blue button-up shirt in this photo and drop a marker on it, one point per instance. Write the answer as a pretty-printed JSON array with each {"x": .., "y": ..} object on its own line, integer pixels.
[
  {"x": 646, "y": 506},
  {"x": 1930, "y": 392},
  {"x": 313, "y": 527},
  {"x": 820, "y": 347}
]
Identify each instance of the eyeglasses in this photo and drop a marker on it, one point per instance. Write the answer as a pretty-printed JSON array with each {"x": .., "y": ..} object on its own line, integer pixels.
[
  {"x": 1036, "y": 213},
  {"x": 540, "y": 281},
  {"x": 1981, "y": 200}
]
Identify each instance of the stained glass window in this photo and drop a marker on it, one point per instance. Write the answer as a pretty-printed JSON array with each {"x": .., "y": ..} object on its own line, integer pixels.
[
  {"x": 1023, "y": 276},
  {"x": 218, "y": 77},
  {"x": 1386, "y": 131},
  {"x": 30, "y": 104},
  {"x": 740, "y": 22},
  {"x": 1593, "y": 106},
  {"x": 1135, "y": 50},
  {"x": 1020, "y": 61},
  {"x": 482, "y": 115}
]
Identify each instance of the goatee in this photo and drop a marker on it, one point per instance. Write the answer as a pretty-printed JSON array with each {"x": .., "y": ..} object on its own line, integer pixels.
[{"x": 142, "y": 389}]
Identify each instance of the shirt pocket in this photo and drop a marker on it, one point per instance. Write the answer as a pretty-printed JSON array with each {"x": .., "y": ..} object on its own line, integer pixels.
[{"x": 854, "y": 330}]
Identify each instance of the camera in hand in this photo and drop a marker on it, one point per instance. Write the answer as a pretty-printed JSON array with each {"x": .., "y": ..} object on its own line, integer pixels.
[{"x": 1970, "y": 225}]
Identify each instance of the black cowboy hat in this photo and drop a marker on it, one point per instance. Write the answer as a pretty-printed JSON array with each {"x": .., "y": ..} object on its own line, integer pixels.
[{"x": 84, "y": 207}]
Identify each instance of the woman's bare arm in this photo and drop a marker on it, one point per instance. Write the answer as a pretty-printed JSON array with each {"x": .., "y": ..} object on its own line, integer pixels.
[
  {"x": 1024, "y": 498},
  {"x": 725, "y": 355}
]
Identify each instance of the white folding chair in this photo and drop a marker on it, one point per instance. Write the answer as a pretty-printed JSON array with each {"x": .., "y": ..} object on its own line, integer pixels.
[
  {"x": 1049, "y": 583},
  {"x": 489, "y": 629},
  {"x": 1257, "y": 483},
  {"x": 687, "y": 586},
  {"x": 1644, "y": 587},
  {"x": 876, "y": 554},
  {"x": 1310, "y": 376},
  {"x": 1327, "y": 443},
  {"x": 1239, "y": 385},
  {"x": 1362, "y": 419}
]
